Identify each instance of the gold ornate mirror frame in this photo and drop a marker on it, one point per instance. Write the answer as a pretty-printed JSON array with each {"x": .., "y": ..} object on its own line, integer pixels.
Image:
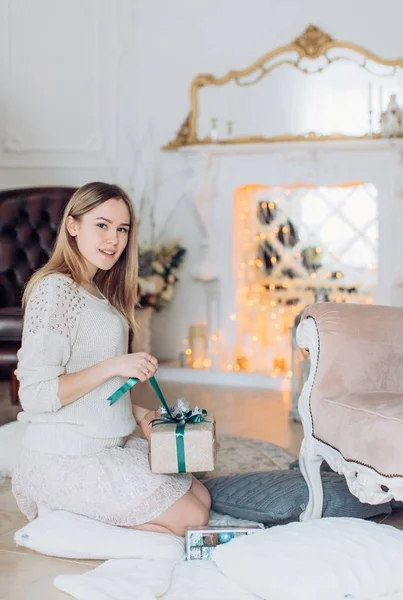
[{"x": 312, "y": 44}]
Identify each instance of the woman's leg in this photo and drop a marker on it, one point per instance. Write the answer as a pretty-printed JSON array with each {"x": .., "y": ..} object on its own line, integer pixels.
[
  {"x": 187, "y": 511},
  {"x": 201, "y": 492}
]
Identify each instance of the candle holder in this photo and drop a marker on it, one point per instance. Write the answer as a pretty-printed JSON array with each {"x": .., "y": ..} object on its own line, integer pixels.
[
  {"x": 198, "y": 345},
  {"x": 214, "y": 130},
  {"x": 242, "y": 363},
  {"x": 279, "y": 365},
  {"x": 230, "y": 128}
]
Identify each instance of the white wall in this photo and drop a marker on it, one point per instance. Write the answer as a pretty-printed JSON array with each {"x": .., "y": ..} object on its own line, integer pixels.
[{"x": 84, "y": 83}]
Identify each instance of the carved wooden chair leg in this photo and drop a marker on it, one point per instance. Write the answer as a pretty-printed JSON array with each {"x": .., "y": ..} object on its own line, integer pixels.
[{"x": 309, "y": 463}]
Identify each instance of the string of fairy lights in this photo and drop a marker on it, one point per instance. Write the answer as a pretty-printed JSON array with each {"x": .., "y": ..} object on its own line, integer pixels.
[
  {"x": 277, "y": 274},
  {"x": 279, "y": 269}
]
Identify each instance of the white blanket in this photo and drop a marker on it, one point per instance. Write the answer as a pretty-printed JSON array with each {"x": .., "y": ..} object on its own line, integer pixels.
[
  {"x": 140, "y": 579},
  {"x": 146, "y": 579}
]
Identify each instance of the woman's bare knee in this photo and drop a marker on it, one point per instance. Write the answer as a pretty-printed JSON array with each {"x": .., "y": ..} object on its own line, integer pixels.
[
  {"x": 201, "y": 492},
  {"x": 188, "y": 511}
]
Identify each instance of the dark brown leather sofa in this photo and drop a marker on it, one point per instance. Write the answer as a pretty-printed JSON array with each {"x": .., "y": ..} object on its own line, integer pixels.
[{"x": 29, "y": 220}]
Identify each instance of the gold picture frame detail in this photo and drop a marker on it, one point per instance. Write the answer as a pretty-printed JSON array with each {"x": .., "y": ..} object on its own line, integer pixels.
[{"x": 313, "y": 43}]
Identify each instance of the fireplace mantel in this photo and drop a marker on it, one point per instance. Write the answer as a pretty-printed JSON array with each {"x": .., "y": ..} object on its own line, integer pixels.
[
  {"x": 218, "y": 170},
  {"x": 315, "y": 147}
]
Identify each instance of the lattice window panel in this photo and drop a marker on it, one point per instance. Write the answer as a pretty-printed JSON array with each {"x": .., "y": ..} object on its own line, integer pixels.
[{"x": 296, "y": 245}]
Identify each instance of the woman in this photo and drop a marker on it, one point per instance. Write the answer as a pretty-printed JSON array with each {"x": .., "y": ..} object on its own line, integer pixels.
[{"x": 79, "y": 453}]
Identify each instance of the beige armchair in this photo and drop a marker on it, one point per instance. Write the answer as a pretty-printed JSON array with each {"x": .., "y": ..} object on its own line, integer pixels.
[{"x": 351, "y": 407}]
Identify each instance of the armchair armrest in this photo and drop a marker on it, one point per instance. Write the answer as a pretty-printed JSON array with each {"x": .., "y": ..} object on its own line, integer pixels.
[{"x": 359, "y": 347}]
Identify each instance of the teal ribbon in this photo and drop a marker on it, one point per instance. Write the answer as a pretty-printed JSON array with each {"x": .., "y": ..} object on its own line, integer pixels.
[
  {"x": 180, "y": 446},
  {"x": 122, "y": 390},
  {"x": 131, "y": 383},
  {"x": 181, "y": 420}
]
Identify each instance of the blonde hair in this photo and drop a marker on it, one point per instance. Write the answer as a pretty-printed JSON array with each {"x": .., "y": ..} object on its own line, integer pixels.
[{"x": 119, "y": 284}]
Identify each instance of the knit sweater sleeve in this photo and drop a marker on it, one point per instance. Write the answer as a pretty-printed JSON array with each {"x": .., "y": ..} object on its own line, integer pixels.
[{"x": 50, "y": 326}]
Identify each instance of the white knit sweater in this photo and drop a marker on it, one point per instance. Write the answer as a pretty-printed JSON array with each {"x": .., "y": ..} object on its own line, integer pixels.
[{"x": 66, "y": 330}]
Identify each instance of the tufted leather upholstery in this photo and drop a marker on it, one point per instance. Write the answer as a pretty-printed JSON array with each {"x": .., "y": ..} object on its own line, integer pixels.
[{"x": 29, "y": 219}]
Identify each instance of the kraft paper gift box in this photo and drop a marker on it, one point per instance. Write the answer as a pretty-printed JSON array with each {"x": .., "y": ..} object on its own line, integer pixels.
[
  {"x": 182, "y": 439},
  {"x": 186, "y": 448},
  {"x": 201, "y": 541}
]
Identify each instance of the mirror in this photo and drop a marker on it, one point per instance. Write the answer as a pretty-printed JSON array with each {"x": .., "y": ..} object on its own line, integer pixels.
[{"x": 314, "y": 88}]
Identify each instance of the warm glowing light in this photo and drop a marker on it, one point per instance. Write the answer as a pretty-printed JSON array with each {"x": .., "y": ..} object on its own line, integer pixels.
[
  {"x": 242, "y": 363},
  {"x": 188, "y": 351},
  {"x": 267, "y": 303}
]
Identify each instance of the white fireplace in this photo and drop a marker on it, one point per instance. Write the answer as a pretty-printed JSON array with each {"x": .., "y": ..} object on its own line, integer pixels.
[{"x": 219, "y": 170}]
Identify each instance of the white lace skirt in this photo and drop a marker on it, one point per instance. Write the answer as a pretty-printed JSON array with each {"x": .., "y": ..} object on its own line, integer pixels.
[{"x": 114, "y": 486}]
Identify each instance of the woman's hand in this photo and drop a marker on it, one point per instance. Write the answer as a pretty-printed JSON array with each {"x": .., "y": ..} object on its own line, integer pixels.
[
  {"x": 144, "y": 423},
  {"x": 138, "y": 364}
]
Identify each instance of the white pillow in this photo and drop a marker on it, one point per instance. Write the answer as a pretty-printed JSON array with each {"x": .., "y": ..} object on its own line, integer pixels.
[
  {"x": 324, "y": 558},
  {"x": 66, "y": 535}
]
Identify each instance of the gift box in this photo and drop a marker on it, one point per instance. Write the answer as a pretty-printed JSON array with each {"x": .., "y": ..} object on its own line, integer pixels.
[
  {"x": 201, "y": 541},
  {"x": 183, "y": 446},
  {"x": 182, "y": 438}
]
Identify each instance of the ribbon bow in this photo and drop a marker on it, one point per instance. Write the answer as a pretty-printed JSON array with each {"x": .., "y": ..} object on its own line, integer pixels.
[{"x": 181, "y": 412}]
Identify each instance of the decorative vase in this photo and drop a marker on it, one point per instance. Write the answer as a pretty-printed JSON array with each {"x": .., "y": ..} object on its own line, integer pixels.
[
  {"x": 392, "y": 119},
  {"x": 142, "y": 334}
]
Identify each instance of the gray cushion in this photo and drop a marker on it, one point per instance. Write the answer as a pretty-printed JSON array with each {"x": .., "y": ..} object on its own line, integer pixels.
[
  {"x": 323, "y": 467},
  {"x": 276, "y": 497}
]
